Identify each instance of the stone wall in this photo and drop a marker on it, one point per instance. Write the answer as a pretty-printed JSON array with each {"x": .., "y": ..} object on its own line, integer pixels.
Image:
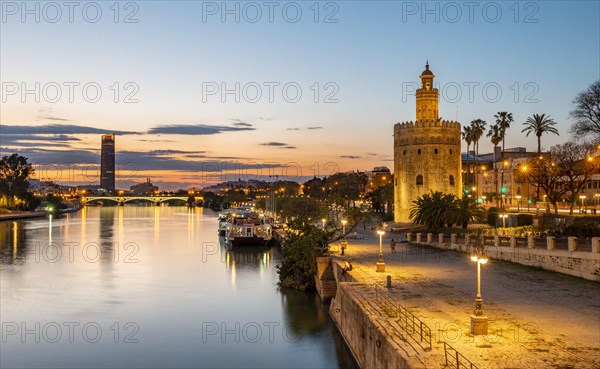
[
  {"x": 365, "y": 334},
  {"x": 369, "y": 336},
  {"x": 584, "y": 264}
]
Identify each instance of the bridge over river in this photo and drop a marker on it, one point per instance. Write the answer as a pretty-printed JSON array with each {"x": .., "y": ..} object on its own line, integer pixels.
[{"x": 121, "y": 200}]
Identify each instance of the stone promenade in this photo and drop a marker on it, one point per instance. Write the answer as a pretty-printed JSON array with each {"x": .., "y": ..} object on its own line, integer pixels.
[{"x": 537, "y": 319}]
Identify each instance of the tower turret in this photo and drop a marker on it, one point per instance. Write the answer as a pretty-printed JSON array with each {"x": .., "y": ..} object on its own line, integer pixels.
[{"x": 427, "y": 97}]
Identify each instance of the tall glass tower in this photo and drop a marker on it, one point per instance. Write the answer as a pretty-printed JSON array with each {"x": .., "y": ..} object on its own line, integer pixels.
[{"x": 107, "y": 163}]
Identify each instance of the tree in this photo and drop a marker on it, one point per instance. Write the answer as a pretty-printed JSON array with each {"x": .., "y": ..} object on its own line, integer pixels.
[
  {"x": 495, "y": 137},
  {"x": 431, "y": 210},
  {"x": 538, "y": 125},
  {"x": 576, "y": 164},
  {"x": 503, "y": 120},
  {"x": 304, "y": 242},
  {"x": 478, "y": 128},
  {"x": 467, "y": 135},
  {"x": 564, "y": 171},
  {"x": 300, "y": 207},
  {"x": 465, "y": 210},
  {"x": 587, "y": 113},
  {"x": 14, "y": 178}
]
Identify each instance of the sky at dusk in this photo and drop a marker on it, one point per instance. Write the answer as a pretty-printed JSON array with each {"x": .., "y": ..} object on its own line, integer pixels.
[{"x": 199, "y": 92}]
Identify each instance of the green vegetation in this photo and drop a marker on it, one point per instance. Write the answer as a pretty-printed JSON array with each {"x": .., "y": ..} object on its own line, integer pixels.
[
  {"x": 304, "y": 243},
  {"x": 15, "y": 171},
  {"x": 438, "y": 209}
]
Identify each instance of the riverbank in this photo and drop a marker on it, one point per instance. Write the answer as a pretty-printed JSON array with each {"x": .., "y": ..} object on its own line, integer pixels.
[
  {"x": 537, "y": 318},
  {"x": 22, "y": 215}
]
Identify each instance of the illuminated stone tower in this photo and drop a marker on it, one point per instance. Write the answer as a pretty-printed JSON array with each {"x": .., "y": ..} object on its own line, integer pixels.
[{"x": 426, "y": 152}]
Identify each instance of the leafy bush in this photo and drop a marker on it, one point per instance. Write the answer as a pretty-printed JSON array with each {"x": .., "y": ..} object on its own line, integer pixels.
[
  {"x": 583, "y": 229},
  {"x": 524, "y": 219},
  {"x": 304, "y": 243},
  {"x": 492, "y": 215}
]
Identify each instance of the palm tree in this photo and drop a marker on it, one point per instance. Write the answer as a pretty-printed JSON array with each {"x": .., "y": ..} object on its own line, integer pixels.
[
  {"x": 432, "y": 209},
  {"x": 503, "y": 120},
  {"x": 467, "y": 135},
  {"x": 495, "y": 137},
  {"x": 464, "y": 211},
  {"x": 477, "y": 129},
  {"x": 539, "y": 124}
]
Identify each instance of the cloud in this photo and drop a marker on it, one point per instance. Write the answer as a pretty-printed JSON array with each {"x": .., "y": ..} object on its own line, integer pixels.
[
  {"x": 290, "y": 147},
  {"x": 52, "y": 156},
  {"x": 144, "y": 140},
  {"x": 242, "y": 124},
  {"x": 274, "y": 144},
  {"x": 47, "y": 117},
  {"x": 197, "y": 129},
  {"x": 22, "y": 140},
  {"x": 173, "y": 152},
  {"x": 58, "y": 129},
  {"x": 300, "y": 128},
  {"x": 349, "y": 157}
]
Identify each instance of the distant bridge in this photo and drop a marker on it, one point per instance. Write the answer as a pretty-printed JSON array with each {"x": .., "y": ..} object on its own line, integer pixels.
[{"x": 121, "y": 200}]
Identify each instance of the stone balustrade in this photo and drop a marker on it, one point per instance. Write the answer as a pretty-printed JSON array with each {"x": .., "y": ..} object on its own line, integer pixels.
[{"x": 573, "y": 257}]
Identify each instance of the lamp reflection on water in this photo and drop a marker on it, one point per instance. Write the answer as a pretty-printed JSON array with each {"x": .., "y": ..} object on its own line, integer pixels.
[{"x": 15, "y": 230}]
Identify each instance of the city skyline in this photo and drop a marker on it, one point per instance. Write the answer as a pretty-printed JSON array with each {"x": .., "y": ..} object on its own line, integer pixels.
[{"x": 176, "y": 119}]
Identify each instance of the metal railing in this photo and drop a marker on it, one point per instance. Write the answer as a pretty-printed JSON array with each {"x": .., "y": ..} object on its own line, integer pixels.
[
  {"x": 521, "y": 241},
  {"x": 413, "y": 326},
  {"x": 561, "y": 243},
  {"x": 455, "y": 359}
]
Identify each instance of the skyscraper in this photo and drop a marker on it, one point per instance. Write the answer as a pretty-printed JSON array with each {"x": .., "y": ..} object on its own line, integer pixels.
[{"x": 107, "y": 163}]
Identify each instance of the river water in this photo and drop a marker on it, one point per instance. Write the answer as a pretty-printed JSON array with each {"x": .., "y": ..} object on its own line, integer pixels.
[{"x": 151, "y": 286}]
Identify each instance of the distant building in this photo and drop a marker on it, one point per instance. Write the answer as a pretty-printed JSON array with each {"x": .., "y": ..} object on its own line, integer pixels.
[
  {"x": 143, "y": 189},
  {"x": 427, "y": 153},
  {"x": 107, "y": 163}
]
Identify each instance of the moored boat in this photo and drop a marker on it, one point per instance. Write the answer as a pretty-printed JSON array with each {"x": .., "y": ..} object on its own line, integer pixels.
[{"x": 246, "y": 227}]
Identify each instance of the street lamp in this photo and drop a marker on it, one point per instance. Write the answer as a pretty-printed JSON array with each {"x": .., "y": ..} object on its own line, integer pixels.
[
  {"x": 344, "y": 242},
  {"x": 323, "y": 221},
  {"x": 478, "y": 320},
  {"x": 504, "y": 216},
  {"x": 518, "y": 202},
  {"x": 582, "y": 197},
  {"x": 380, "y": 262}
]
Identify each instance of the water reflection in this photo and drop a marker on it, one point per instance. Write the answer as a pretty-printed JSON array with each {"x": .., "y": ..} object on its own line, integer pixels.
[{"x": 183, "y": 279}]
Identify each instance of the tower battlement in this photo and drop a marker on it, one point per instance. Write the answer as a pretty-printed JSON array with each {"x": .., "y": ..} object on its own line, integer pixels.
[{"x": 427, "y": 123}]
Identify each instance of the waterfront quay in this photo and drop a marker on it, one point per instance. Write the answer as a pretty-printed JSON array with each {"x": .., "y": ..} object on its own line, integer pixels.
[{"x": 536, "y": 318}]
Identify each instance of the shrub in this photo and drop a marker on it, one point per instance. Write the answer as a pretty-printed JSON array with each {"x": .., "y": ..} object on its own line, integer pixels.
[
  {"x": 524, "y": 220},
  {"x": 492, "y": 215}
]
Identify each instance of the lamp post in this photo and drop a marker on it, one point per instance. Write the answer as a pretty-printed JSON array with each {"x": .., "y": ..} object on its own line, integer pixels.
[
  {"x": 344, "y": 242},
  {"x": 503, "y": 216},
  {"x": 478, "y": 320},
  {"x": 582, "y": 197},
  {"x": 518, "y": 202},
  {"x": 380, "y": 262},
  {"x": 323, "y": 221}
]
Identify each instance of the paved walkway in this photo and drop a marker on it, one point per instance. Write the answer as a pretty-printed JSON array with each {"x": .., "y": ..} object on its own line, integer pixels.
[{"x": 537, "y": 319}]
